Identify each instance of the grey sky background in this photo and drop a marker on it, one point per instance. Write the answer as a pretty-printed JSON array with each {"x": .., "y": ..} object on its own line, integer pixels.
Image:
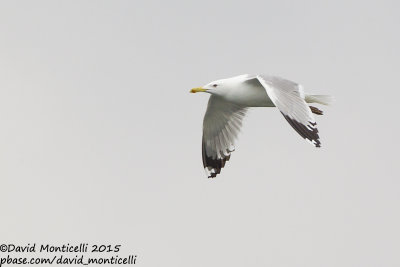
[{"x": 100, "y": 138}]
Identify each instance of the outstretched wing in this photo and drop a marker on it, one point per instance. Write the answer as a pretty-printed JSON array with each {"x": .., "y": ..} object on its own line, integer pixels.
[
  {"x": 221, "y": 126},
  {"x": 288, "y": 97}
]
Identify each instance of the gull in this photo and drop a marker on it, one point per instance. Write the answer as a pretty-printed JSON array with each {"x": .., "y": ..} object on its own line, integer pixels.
[{"x": 230, "y": 99}]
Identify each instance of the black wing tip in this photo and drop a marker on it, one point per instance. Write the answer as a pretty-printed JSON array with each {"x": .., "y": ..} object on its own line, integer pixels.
[
  {"x": 212, "y": 165},
  {"x": 317, "y": 144},
  {"x": 309, "y": 132}
]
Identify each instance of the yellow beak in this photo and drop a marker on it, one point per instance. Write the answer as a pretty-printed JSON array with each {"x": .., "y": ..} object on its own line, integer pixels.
[{"x": 198, "y": 89}]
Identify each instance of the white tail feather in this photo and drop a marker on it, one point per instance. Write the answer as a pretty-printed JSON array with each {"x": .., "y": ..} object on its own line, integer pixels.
[{"x": 320, "y": 99}]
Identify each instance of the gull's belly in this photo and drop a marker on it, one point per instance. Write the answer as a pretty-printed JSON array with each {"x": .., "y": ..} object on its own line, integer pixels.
[{"x": 250, "y": 96}]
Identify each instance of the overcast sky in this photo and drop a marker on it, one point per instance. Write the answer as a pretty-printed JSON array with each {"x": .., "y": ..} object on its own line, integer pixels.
[{"x": 100, "y": 140}]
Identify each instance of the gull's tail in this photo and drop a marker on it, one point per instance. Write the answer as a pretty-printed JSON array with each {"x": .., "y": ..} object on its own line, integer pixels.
[{"x": 320, "y": 99}]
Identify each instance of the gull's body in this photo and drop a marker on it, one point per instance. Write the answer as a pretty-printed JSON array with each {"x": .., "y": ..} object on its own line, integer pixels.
[
  {"x": 229, "y": 100},
  {"x": 249, "y": 94}
]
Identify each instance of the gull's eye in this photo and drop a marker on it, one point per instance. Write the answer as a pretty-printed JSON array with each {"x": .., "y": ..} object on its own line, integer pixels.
[{"x": 215, "y": 85}]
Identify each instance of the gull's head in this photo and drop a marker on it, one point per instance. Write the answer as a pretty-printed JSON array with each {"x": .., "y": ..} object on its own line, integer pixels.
[
  {"x": 211, "y": 87},
  {"x": 218, "y": 87}
]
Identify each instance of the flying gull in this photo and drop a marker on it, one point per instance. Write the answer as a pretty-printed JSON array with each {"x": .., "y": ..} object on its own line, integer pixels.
[{"x": 230, "y": 98}]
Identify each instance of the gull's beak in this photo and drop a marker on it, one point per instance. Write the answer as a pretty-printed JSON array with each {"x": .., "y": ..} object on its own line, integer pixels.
[{"x": 198, "y": 89}]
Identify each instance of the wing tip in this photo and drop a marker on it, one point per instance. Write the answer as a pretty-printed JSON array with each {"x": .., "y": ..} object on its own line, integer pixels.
[
  {"x": 308, "y": 132},
  {"x": 213, "y": 166}
]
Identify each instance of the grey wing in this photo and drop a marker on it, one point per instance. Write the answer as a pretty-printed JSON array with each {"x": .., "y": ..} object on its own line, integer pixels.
[
  {"x": 221, "y": 125},
  {"x": 288, "y": 97}
]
